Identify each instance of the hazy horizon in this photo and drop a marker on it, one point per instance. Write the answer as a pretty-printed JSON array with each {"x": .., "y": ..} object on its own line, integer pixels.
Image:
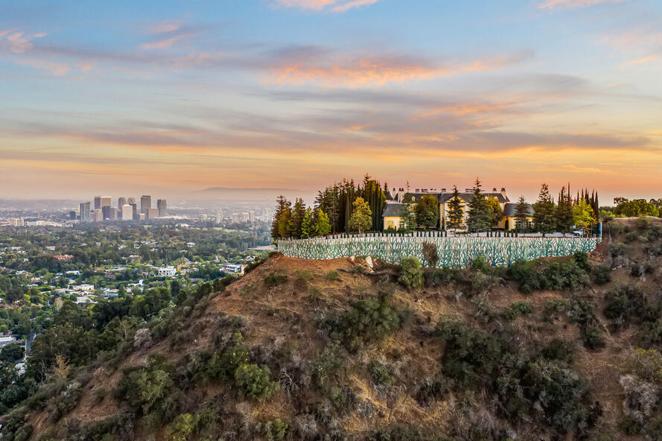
[{"x": 264, "y": 97}]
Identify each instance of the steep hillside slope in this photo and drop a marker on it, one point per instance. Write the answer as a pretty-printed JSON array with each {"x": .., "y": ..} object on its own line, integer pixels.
[{"x": 338, "y": 350}]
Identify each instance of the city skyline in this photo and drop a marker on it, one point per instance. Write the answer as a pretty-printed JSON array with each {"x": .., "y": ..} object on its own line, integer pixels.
[{"x": 290, "y": 95}]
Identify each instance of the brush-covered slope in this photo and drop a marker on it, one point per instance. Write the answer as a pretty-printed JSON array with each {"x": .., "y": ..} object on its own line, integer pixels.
[{"x": 557, "y": 349}]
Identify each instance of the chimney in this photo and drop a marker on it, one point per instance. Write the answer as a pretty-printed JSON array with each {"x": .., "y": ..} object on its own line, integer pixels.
[
  {"x": 503, "y": 190},
  {"x": 494, "y": 189},
  {"x": 443, "y": 190}
]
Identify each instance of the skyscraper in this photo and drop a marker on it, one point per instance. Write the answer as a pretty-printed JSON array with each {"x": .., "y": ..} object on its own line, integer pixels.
[
  {"x": 121, "y": 202},
  {"x": 127, "y": 212},
  {"x": 106, "y": 201},
  {"x": 97, "y": 202},
  {"x": 108, "y": 212},
  {"x": 145, "y": 203},
  {"x": 162, "y": 206},
  {"x": 85, "y": 212}
]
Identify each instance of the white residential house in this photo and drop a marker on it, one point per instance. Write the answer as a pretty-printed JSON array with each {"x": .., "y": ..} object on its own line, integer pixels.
[{"x": 167, "y": 271}]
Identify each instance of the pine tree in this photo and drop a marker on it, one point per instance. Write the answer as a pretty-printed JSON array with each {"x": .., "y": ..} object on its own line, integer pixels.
[
  {"x": 322, "y": 223},
  {"x": 308, "y": 224},
  {"x": 296, "y": 220},
  {"x": 455, "y": 211},
  {"x": 521, "y": 214},
  {"x": 479, "y": 212},
  {"x": 544, "y": 216},
  {"x": 564, "y": 219},
  {"x": 279, "y": 226},
  {"x": 361, "y": 219}
]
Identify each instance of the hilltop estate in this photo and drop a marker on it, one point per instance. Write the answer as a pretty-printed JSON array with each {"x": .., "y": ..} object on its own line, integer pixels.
[{"x": 346, "y": 207}]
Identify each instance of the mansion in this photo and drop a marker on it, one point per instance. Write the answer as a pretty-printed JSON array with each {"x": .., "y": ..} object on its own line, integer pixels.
[{"x": 395, "y": 211}]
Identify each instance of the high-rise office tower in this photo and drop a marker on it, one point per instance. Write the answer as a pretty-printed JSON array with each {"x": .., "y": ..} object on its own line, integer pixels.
[
  {"x": 145, "y": 203},
  {"x": 121, "y": 202},
  {"x": 131, "y": 201},
  {"x": 134, "y": 207},
  {"x": 106, "y": 201},
  {"x": 152, "y": 213},
  {"x": 85, "y": 212},
  {"x": 127, "y": 212},
  {"x": 97, "y": 202},
  {"x": 107, "y": 212},
  {"x": 162, "y": 206}
]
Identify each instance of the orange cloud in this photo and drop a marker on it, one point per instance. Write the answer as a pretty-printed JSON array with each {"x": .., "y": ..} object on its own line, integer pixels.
[{"x": 366, "y": 71}]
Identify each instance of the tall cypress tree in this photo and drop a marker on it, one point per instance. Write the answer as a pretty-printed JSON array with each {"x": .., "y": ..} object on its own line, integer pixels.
[
  {"x": 564, "y": 218},
  {"x": 544, "y": 209},
  {"x": 455, "y": 211},
  {"x": 479, "y": 212},
  {"x": 296, "y": 220}
]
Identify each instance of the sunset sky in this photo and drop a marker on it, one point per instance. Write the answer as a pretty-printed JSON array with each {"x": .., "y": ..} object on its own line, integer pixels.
[{"x": 176, "y": 96}]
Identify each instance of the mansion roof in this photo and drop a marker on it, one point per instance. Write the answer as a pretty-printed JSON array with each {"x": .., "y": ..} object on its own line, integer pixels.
[{"x": 444, "y": 197}]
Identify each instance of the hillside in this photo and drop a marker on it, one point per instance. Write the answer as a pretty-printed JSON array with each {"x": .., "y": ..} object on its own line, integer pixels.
[{"x": 335, "y": 350}]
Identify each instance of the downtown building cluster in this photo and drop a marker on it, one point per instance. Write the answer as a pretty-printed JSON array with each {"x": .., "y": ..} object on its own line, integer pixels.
[{"x": 127, "y": 209}]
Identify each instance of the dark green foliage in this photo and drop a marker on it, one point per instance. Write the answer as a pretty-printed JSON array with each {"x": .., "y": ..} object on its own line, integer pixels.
[
  {"x": 367, "y": 321},
  {"x": 602, "y": 274},
  {"x": 559, "y": 350},
  {"x": 627, "y": 305},
  {"x": 427, "y": 212},
  {"x": 526, "y": 386},
  {"x": 275, "y": 279},
  {"x": 582, "y": 312},
  {"x": 254, "y": 381},
  {"x": 431, "y": 390},
  {"x": 224, "y": 363},
  {"x": 332, "y": 276},
  {"x": 517, "y": 309},
  {"x": 471, "y": 356},
  {"x": 275, "y": 430},
  {"x": 559, "y": 275},
  {"x": 144, "y": 389},
  {"x": 411, "y": 273},
  {"x": 380, "y": 373}
]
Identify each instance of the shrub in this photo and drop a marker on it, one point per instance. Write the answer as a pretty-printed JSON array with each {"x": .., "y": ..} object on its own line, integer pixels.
[
  {"x": 255, "y": 381},
  {"x": 223, "y": 364},
  {"x": 144, "y": 389},
  {"x": 276, "y": 430},
  {"x": 380, "y": 373},
  {"x": 275, "y": 279},
  {"x": 647, "y": 364},
  {"x": 471, "y": 356},
  {"x": 602, "y": 274},
  {"x": 366, "y": 321},
  {"x": 581, "y": 312},
  {"x": 559, "y": 350},
  {"x": 553, "y": 309},
  {"x": 332, "y": 276},
  {"x": 561, "y": 395},
  {"x": 517, "y": 309},
  {"x": 625, "y": 305},
  {"x": 182, "y": 428},
  {"x": 430, "y": 391},
  {"x": 558, "y": 274},
  {"x": 411, "y": 273},
  {"x": 430, "y": 254}
]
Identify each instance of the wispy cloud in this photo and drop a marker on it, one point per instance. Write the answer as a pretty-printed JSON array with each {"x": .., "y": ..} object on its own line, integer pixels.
[
  {"x": 378, "y": 70},
  {"x": 572, "y": 4},
  {"x": 337, "y": 6},
  {"x": 643, "y": 45}
]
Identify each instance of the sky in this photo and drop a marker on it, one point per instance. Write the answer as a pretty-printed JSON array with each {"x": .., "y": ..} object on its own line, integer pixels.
[{"x": 175, "y": 97}]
